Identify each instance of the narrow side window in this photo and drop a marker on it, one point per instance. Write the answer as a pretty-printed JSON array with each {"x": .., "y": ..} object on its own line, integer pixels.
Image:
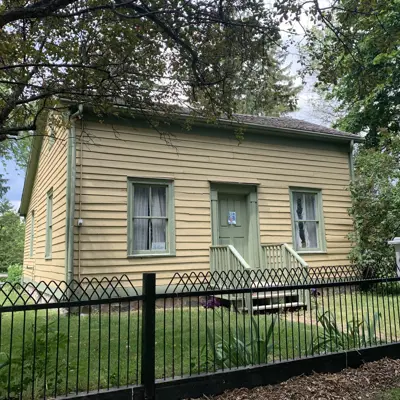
[
  {"x": 49, "y": 225},
  {"x": 31, "y": 243}
]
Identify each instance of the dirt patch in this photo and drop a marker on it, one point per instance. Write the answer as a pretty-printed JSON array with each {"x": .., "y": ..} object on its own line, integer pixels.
[{"x": 365, "y": 382}]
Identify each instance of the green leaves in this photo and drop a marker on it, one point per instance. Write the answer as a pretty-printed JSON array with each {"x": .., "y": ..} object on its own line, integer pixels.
[
  {"x": 154, "y": 56},
  {"x": 375, "y": 209},
  {"x": 12, "y": 231},
  {"x": 357, "y": 63},
  {"x": 353, "y": 334},
  {"x": 241, "y": 345},
  {"x": 269, "y": 89}
]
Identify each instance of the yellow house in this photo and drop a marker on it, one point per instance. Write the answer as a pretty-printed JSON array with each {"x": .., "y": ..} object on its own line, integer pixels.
[{"x": 117, "y": 197}]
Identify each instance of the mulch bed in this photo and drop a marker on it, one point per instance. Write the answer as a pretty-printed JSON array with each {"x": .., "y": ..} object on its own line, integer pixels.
[{"x": 361, "y": 383}]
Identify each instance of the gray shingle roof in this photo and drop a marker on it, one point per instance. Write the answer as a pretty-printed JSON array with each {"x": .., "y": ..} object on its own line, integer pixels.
[{"x": 290, "y": 123}]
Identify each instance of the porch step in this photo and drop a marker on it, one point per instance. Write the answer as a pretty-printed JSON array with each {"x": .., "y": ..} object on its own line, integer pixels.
[
  {"x": 274, "y": 295},
  {"x": 278, "y": 306}
]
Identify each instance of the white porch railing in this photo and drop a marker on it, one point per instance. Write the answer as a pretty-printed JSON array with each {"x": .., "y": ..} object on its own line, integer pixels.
[
  {"x": 276, "y": 256},
  {"x": 226, "y": 259},
  {"x": 282, "y": 256}
]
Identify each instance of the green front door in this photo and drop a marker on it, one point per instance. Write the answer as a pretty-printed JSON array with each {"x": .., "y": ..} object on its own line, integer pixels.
[{"x": 233, "y": 222}]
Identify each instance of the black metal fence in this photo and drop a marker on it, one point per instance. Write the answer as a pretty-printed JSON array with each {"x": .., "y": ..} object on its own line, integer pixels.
[{"x": 100, "y": 336}]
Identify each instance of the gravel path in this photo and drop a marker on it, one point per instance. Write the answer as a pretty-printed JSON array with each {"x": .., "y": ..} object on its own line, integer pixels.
[{"x": 365, "y": 382}]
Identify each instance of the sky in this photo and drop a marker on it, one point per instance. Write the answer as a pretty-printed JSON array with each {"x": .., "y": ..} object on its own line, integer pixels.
[{"x": 15, "y": 182}]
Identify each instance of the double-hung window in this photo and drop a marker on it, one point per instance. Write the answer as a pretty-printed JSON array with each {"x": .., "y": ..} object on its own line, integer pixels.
[
  {"x": 150, "y": 218},
  {"x": 307, "y": 220}
]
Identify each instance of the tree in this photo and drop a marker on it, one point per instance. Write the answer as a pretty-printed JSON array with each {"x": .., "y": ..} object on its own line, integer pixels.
[
  {"x": 12, "y": 231},
  {"x": 269, "y": 89},
  {"x": 145, "y": 54},
  {"x": 353, "y": 48},
  {"x": 16, "y": 150},
  {"x": 375, "y": 208}
]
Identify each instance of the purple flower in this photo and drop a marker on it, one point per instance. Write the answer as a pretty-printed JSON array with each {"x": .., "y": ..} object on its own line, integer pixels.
[
  {"x": 211, "y": 302},
  {"x": 314, "y": 292}
]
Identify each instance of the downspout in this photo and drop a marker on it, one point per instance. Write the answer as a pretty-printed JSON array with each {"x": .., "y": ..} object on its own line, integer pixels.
[
  {"x": 80, "y": 202},
  {"x": 71, "y": 183},
  {"x": 351, "y": 160}
]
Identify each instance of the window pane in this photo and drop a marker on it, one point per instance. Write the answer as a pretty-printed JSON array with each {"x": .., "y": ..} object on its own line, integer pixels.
[
  {"x": 158, "y": 234},
  {"x": 141, "y": 201},
  {"x": 305, "y": 206},
  {"x": 306, "y": 235},
  {"x": 141, "y": 234},
  {"x": 158, "y": 201},
  {"x": 298, "y": 206},
  {"x": 311, "y": 206}
]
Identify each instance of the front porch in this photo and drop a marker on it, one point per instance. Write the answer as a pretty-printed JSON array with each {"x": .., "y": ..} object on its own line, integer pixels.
[{"x": 228, "y": 267}]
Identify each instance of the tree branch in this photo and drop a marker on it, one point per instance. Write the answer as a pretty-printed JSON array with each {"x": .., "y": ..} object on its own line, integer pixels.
[{"x": 40, "y": 9}]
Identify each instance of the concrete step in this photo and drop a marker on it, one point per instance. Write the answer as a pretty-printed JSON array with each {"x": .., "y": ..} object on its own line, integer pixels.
[
  {"x": 278, "y": 306},
  {"x": 274, "y": 295}
]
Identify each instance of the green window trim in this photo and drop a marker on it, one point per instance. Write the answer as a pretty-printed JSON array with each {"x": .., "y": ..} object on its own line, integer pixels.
[
  {"x": 32, "y": 233},
  {"x": 170, "y": 249},
  {"x": 321, "y": 248},
  {"x": 49, "y": 225}
]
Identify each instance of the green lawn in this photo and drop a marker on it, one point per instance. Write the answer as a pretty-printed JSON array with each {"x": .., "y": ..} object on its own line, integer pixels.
[
  {"x": 64, "y": 353},
  {"x": 101, "y": 350},
  {"x": 361, "y": 307},
  {"x": 391, "y": 394}
]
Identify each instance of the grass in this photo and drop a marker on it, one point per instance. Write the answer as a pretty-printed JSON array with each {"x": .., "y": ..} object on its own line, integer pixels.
[
  {"x": 83, "y": 352},
  {"x": 102, "y": 350},
  {"x": 359, "y": 306},
  {"x": 391, "y": 394}
]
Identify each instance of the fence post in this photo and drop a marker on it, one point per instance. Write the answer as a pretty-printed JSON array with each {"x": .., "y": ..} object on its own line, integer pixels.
[{"x": 148, "y": 335}]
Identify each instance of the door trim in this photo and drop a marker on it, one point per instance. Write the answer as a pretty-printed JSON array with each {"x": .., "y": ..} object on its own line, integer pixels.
[{"x": 250, "y": 191}]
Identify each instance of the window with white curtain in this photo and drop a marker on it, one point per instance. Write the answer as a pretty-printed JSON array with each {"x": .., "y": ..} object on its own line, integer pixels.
[
  {"x": 307, "y": 220},
  {"x": 151, "y": 225}
]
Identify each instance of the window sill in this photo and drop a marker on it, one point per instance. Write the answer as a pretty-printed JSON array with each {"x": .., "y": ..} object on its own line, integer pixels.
[
  {"x": 151, "y": 255},
  {"x": 311, "y": 252},
  {"x": 48, "y": 258}
]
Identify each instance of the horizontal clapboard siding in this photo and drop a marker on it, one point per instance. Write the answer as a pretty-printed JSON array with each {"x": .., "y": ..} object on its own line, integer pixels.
[
  {"x": 51, "y": 173},
  {"x": 193, "y": 161}
]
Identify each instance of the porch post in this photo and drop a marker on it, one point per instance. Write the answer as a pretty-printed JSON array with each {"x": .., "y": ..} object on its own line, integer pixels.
[
  {"x": 254, "y": 232},
  {"x": 214, "y": 216}
]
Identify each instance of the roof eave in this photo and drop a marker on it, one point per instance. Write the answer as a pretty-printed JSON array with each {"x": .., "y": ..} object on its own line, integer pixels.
[
  {"x": 30, "y": 174},
  {"x": 32, "y": 166},
  {"x": 263, "y": 129},
  {"x": 289, "y": 131}
]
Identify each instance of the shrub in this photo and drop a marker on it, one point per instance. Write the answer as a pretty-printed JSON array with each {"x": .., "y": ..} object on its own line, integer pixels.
[
  {"x": 239, "y": 346},
  {"x": 375, "y": 209},
  {"x": 355, "y": 334},
  {"x": 14, "y": 273}
]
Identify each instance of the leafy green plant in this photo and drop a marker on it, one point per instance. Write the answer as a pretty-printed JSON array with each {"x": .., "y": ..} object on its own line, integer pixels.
[
  {"x": 239, "y": 346},
  {"x": 36, "y": 356},
  {"x": 354, "y": 334},
  {"x": 14, "y": 273},
  {"x": 375, "y": 209},
  {"x": 12, "y": 232}
]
